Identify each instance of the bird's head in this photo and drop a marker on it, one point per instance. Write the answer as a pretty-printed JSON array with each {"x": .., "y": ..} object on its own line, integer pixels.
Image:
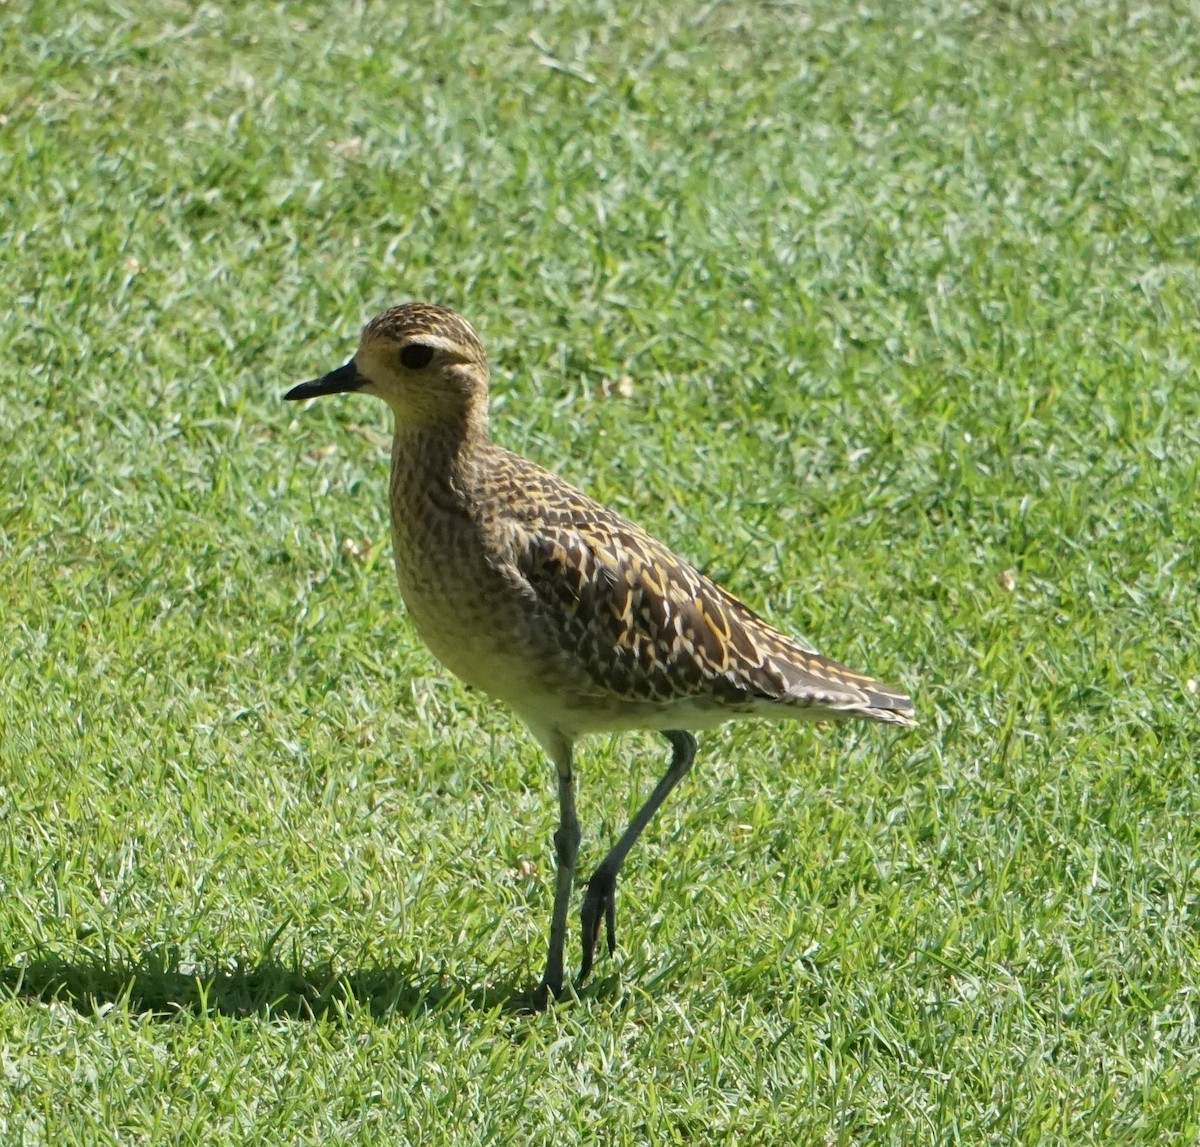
[{"x": 423, "y": 360}]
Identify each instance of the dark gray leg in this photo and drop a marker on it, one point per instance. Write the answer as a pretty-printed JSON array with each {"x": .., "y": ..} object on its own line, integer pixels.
[
  {"x": 566, "y": 848},
  {"x": 601, "y": 895}
]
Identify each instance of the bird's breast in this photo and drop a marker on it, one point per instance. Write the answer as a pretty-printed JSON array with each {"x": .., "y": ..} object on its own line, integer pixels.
[{"x": 466, "y": 602}]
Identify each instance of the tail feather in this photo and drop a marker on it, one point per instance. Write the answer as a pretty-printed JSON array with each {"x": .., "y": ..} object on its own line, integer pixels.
[{"x": 816, "y": 681}]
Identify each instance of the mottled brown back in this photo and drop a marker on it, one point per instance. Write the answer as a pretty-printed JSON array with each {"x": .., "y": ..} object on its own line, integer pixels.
[{"x": 648, "y": 626}]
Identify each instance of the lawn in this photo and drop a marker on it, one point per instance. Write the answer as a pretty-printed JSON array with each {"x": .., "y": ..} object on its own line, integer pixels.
[{"x": 885, "y": 315}]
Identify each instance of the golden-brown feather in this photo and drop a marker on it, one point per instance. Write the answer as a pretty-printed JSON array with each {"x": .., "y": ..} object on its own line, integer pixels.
[{"x": 649, "y": 627}]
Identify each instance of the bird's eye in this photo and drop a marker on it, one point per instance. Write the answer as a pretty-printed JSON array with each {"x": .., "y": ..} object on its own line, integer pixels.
[{"x": 414, "y": 356}]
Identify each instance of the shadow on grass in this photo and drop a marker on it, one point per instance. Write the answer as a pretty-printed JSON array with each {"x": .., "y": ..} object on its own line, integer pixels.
[{"x": 268, "y": 988}]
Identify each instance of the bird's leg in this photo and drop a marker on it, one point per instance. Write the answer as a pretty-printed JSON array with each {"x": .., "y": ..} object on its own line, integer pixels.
[
  {"x": 601, "y": 895},
  {"x": 566, "y": 848}
]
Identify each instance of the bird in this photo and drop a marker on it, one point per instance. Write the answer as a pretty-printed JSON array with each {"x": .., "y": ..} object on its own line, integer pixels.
[{"x": 576, "y": 618}]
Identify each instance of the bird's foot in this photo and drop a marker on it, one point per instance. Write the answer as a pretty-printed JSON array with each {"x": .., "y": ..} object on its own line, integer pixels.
[
  {"x": 599, "y": 902},
  {"x": 544, "y": 995}
]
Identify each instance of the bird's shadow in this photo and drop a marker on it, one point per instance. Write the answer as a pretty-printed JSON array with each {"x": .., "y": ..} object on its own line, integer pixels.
[{"x": 268, "y": 987}]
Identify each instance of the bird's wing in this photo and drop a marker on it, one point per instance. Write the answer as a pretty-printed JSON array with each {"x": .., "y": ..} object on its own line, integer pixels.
[{"x": 649, "y": 627}]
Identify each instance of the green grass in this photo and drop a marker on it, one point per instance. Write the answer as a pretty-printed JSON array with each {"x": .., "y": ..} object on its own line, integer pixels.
[{"x": 907, "y": 295}]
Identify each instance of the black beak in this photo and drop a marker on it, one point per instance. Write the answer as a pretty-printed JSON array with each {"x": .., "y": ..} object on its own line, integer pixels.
[{"x": 335, "y": 382}]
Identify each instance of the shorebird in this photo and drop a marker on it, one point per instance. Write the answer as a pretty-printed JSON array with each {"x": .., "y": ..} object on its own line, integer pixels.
[{"x": 578, "y": 619}]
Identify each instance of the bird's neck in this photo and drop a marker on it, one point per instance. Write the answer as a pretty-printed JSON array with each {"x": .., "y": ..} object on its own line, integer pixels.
[{"x": 436, "y": 457}]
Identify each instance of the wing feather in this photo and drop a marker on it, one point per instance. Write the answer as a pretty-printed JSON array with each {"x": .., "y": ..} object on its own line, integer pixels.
[{"x": 648, "y": 627}]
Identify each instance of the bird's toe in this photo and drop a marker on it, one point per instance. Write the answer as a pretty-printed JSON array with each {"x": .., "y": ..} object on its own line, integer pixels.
[{"x": 599, "y": 904}]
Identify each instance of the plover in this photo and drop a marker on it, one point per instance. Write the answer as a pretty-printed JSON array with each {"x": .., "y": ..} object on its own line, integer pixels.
[{"x": 544, "y": 599}]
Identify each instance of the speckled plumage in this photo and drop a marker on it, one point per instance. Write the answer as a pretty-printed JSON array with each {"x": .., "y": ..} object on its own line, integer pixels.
[{"x": 581, "y": 621}]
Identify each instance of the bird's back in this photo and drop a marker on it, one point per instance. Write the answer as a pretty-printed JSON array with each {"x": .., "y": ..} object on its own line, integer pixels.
[{"x": 652, "y": 641}]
